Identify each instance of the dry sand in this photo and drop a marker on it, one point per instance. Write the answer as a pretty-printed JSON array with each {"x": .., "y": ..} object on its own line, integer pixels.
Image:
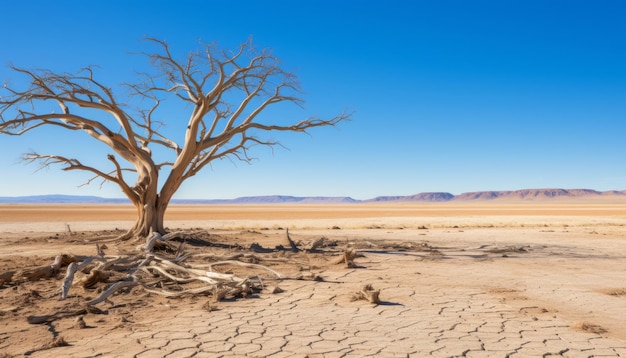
[{"x": 507, "y": 280}]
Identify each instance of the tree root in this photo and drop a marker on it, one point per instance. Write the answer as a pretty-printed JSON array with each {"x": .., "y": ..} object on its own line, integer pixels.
[
  {"x": 347, "y": 258},
  {"x": 367, "y": 293},
  {"x": 56, "y": 342},
  {"x": 168, "y": 273},
  {"x": 150, "y": 271},
  {"x": 111, "y": 290},
  {"x": 6, "y": 277},
  {"x": 294, "y": 247},
  {"x": 63, "y": 314},
  {"x": 95, "y": 277},
  {"x": 39, "y": 272}
]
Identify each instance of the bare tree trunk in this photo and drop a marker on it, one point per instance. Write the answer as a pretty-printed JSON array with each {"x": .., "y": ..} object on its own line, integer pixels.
[
  {"x": 151, "y": 209},
  {"x": 150, "y": 218}
]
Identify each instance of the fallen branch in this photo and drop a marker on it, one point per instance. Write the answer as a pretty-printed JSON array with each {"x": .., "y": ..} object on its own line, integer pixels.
[
  {"x": 112, "y": 289},
  {"x": 294, "y": 247},
  {"x": 245, "y": 264},
  {"x": 69, "y": 275},
  {"x": 69, "y": 278},
  {"x": 95, "y": 276}
]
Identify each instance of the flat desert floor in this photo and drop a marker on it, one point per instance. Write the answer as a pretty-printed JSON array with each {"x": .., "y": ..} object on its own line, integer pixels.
[{"x": 485, "y": 280}]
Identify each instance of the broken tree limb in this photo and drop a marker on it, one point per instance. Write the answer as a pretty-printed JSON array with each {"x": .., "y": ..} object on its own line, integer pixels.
[
  {"x": 69, "y": 275},
  {"x": 245, "y": 264},
  {"x": 260, "y": 249},
  {"x": 177, "y": 279},
  {"x": 69, "y": 278},
  {"x": 112, "y": 289},
  {"x": 294, "y": 247},
  {"x": 95, "y": 276},
  {"x": 180, "y": 234},
  {"x": 63, "y": 314},
  {"x": 46, "y": 271}
]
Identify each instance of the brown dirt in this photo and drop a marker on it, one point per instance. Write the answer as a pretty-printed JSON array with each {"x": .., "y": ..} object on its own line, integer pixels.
[{"x": 527, "y": 272}]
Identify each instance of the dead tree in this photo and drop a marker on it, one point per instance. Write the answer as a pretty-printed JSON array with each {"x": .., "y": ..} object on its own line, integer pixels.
[{"x": 223, "y": 96}]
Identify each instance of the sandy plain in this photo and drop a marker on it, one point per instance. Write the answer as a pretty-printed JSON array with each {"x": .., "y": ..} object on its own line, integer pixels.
[{"x": 455, "y": 280}]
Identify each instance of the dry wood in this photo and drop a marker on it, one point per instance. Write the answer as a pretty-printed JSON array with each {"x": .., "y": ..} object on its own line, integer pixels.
[
  {"x": 248, "y": 257},
  {"x": 294, "y": 247},
  {"x": 245, "y": 264},
  {"x": 56, "y": 342},
  {"x": 152, "y": 240},
  {"x": 179, "y": 294},
  {"x": 369, "y": 294},
  {"x": 80, "y": 323},
  {"x": 46, "y": 271},
  {"x": 6, "y": 277},
  {"x": 71, "y": 271},
  {"x": 62, "y": 314},
  {"x": 347, "y": 258},
  {"x": 317, "y": 244},
  {"x": 160, "y": 274},
  {"x": 69, "y": 278},
  {"x": 112, "y": 289},
  {"x": 94, "y": 277}
]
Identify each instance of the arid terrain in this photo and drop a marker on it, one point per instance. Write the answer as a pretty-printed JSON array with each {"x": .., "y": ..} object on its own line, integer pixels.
[{"x": 479, "y": 279}]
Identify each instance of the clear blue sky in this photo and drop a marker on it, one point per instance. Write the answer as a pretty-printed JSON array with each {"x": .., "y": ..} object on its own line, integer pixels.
[{"x": 451, "y": 96}]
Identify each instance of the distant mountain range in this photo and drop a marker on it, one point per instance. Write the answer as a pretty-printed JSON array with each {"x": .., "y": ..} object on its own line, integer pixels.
[{"x": 516, "y": 195}]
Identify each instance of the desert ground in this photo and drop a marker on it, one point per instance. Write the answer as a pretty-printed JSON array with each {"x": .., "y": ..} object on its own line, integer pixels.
[{"x": 454, "y": 280}]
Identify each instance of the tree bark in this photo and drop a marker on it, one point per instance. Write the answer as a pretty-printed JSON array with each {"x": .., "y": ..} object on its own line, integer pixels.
[{"x": 150, "y": 218}]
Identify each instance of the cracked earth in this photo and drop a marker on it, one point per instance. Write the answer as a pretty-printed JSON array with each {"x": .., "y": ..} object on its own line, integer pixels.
[{"x": 506, "y": 290}]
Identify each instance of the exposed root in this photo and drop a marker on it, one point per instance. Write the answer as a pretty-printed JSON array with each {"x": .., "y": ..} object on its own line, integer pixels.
[
  {"x": 69, "y": 277},
  {"x": 80, "y": 323},
  {"x": 367, "y": 293},
  {"x": 41, "y": 272},
  {"x": 6, "y": 277},
  {"x": 294, "y": 247},
  {"x": 159, "y": 268},
  {"x": 161, "y": 275},
  {"x": 347, "y": 258},
  {"x": 275, "y": 290},
  {"x": 95, "y": 277},
  {"x": 56, "y": 342},
  {"x": 63, "y": 314}
]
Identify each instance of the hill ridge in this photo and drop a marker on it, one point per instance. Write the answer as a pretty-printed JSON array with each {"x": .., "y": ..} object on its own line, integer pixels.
[{"x": 425, "y": 197}]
